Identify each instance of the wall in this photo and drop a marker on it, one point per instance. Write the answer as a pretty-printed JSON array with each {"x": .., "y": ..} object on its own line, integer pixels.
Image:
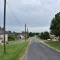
[{"x": 2, "y": 37}]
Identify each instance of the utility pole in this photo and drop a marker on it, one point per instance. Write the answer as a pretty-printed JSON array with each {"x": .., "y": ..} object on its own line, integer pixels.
[
  {"x": 25, "y": 32},
  {"x": 4, "y": 25}
]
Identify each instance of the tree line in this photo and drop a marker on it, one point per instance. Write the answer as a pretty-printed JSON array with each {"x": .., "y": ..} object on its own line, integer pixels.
[{"x": 54, "y": 28}]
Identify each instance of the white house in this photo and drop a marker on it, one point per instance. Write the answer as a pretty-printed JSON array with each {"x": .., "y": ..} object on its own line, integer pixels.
[
  {"x": 2, "y": 35},
  {"x": 54, "y": 38},
  {"x": 22, "y": 37},
  {"x": 2, "y": 38}
]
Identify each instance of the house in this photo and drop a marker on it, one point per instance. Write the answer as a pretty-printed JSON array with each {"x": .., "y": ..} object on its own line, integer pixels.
[
  {"x": 23, "y": 34},
  {"x": 20, "y": 36},
  {"x": 2, "y": 35},
  {"x": 9, "y": 33},
  {"x": 54, "y": 38}
]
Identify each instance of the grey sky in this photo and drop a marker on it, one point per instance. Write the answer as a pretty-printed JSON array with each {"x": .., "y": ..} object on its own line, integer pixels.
[{"x": 36, "y": 13}]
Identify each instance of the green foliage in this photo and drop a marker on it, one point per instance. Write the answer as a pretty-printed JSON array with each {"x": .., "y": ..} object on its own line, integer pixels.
[
  {"x": 44, "y": 35},
  {"x": 55, "y": 25},
  {"x": 54, "y": 44},
  {"x": 11, "y": 38},
  {"x": 14, "y": 51},
  {"x": 37, "y": 33},
  {"x": 31, "y": 34}
]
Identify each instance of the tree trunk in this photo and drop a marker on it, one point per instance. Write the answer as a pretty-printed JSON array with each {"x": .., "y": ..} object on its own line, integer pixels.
[{"x": 59, "y": 38}]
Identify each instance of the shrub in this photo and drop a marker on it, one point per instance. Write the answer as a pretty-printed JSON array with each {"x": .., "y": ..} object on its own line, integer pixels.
[
  {"x": 11, "y": 38},
  {"x": 44, "y": 35}
]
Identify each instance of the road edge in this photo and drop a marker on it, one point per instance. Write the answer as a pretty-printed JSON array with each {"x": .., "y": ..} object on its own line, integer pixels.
[
  {"x": 49, "y": 46},
  {"x": 25, "y": 51}
]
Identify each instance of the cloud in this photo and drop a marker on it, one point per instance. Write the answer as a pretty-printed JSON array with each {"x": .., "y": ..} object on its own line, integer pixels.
[
  {"x": 31, "y": 29},
  {"x": 36, "y": 13}
]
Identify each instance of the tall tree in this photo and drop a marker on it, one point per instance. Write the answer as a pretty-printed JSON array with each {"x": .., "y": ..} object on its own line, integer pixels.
[{"x": 55, "y": 25}]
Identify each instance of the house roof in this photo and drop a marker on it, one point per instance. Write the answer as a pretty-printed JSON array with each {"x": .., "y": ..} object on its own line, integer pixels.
[{"x": 1, "y": 31}]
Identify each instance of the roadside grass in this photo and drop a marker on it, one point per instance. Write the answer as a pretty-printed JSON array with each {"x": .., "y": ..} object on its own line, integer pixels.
[
  {"x": 14, "y": 51},
  {"x": 54, "y": 44}
]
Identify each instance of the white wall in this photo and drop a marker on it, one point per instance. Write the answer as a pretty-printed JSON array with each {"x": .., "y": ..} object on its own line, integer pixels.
[
  {"x": 21, "y": 36},
  {"x": 2, "y": 37}
]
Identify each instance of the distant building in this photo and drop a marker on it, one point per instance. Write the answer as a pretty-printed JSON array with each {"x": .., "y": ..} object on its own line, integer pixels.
[
  {"x": 20, "y": 35},
  {"x": 54, "y": 38},
  {"x": 23, "y": 34},
  {"x": 2, "y": 35},
  {"x": 9, "y": 33}
]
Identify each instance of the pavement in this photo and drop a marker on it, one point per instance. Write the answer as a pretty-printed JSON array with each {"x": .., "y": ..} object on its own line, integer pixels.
[{"x": 39, "y": 51}]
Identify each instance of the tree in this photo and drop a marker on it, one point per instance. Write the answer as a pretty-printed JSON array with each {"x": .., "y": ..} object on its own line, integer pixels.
[
  {"x": 37, "y": 33},
  {"x": 31, "y": 34},
  {"x": 55, "y": 25},
  {"x": 44, "y": 35}
]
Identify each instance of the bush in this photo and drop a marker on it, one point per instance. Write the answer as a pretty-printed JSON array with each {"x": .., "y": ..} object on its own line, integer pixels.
[
  {"x": 31, "y": 34},
  {"x": 44, "y": 35},
  {"x": 11, "y": 38}
]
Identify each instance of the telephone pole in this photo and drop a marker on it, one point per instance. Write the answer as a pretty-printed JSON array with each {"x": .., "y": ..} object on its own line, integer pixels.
[
  {"x": 4, "y": 25},
  {"x": 25, "y": 32}
]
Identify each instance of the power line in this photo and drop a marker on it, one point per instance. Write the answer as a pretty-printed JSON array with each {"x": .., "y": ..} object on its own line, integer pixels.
[{"x": 13, "y": 14}]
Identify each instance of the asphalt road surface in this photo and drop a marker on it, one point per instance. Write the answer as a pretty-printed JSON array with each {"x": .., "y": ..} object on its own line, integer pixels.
[{"x": 39, "y": 51}]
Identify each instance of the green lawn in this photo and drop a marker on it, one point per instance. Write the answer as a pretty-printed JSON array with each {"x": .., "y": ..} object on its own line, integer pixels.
[
  {"x": 54, "y": 44},
  {"x": 14, "y": 51}
]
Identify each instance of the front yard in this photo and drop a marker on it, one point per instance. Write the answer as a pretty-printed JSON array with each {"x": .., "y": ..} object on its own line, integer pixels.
[
  {"x": 14, "y": 51},
  {"x": 54, "y": 44}
]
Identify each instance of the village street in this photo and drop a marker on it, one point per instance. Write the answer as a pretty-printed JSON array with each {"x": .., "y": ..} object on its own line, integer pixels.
[{"x": 39, "y": 51}]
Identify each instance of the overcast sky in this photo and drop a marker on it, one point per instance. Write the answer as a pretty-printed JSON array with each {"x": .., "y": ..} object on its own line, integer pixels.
[{"x": 37, "y": 14}]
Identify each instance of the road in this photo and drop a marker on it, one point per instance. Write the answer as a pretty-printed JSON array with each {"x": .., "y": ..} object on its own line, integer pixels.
[{"x": 39, "y": 51}]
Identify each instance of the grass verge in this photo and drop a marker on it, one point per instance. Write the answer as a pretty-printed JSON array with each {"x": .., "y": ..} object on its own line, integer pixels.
[
  {"x": 54, "y": 44},
  {"x": 14, "y": 51}
]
